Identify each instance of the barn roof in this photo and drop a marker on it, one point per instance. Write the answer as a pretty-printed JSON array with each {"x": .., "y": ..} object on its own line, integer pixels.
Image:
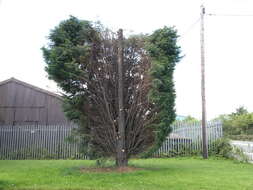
[{"x": 30, "y": 86}]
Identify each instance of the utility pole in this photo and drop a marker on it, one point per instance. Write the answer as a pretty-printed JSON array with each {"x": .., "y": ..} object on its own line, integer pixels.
[
  {"x": 203, "y": 95},
  {"x": 121, "y": 151}
]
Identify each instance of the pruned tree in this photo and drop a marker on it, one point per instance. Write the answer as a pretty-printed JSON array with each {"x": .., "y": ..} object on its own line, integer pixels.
[{"x": 119, "y": 90}]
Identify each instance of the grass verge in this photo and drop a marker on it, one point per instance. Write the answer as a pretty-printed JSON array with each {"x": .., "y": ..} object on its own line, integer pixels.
[{"x": 156, "y": 174}]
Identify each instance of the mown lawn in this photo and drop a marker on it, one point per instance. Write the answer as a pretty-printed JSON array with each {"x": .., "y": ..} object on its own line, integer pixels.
[{"x": 157, "y": 174}]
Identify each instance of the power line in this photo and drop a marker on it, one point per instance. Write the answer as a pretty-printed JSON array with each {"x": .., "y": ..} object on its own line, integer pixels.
[
  {"x": 232, "y": 15},
  {"x": 189, "y": 29}
]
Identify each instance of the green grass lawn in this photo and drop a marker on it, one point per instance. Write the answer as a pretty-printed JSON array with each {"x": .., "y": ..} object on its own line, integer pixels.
[{"x": 157, "y": 174}]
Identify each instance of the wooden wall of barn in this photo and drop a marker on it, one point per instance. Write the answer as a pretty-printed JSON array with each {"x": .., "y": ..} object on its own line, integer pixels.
[{"x": 22, "y": 104}]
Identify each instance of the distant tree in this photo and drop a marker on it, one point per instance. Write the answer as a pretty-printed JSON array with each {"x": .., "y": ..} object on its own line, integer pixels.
[
  {"x": 238, "y": 123},
  {"x": 220, "y": 118},
  {"x": 190, "y": 119},
  {"x": 82, "y": 58},
  {"x": 240, "y": 111}
]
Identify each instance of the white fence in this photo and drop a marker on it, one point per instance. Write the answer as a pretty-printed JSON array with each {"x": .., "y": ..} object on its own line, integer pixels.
[
  {"x": 186, "y": 138},
  {"x": 38, "y": 142},
  {"x": 49, "y": 142},
  {"x": 246, "y": 147}
]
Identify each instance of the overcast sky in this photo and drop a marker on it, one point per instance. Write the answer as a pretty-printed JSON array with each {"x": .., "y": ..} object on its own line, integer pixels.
[{"x": 24, "y": 25}]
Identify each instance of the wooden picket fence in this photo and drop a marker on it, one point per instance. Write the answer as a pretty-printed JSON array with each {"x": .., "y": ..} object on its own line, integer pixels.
[
  {"x": 51, "y": 142},
  {"x": 38, "y": 142},
  {"x": 186, "y": 138}
]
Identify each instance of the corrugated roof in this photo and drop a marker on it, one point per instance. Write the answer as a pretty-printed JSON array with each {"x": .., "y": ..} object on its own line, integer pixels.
[{"x": 30, "y": 86}]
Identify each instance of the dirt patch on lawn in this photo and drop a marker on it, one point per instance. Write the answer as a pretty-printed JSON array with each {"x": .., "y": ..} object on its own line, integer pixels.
[{"x": 110, "y": 169}]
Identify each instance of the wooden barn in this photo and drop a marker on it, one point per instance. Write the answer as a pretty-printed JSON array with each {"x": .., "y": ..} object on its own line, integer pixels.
[{"x": 25, "y": 104}]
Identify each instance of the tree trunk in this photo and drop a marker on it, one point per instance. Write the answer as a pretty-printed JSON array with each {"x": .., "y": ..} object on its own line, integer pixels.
[{"x": 121, "y": 158}]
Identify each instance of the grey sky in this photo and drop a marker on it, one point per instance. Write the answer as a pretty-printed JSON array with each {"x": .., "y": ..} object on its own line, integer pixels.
[{"x": 25, "y": 24}]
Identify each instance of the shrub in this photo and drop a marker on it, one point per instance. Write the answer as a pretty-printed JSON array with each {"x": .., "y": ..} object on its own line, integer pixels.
[
  {"x": 241, "y": 137},
  {"x": 221, "y": 148}
]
